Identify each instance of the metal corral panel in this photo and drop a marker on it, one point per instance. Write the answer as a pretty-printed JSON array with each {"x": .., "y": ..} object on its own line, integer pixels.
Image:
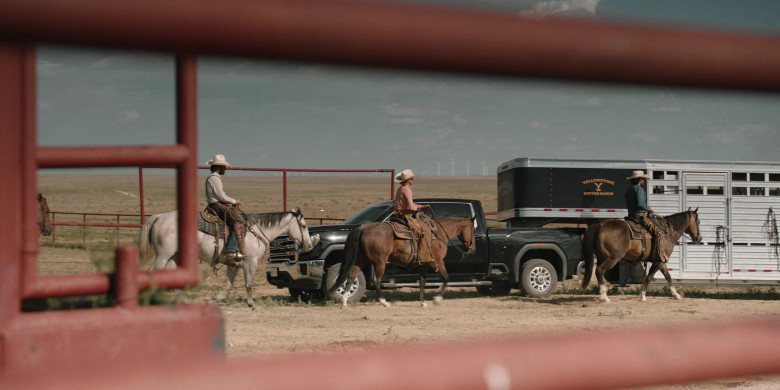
[{"x": 736, "y": 204}]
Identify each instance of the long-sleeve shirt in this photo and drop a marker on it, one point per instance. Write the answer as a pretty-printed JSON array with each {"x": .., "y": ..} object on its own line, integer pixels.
[
  {"x": 636, "y": 199},
  {"x": 403, "y": 200},
  {"x": 214, "y": 191}
]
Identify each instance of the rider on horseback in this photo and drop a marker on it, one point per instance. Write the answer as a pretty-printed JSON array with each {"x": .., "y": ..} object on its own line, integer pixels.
[
  {"x": 226, "y": 208},
  {"x": 640, "y": 212},
  {"x": 405, "y": 211}
]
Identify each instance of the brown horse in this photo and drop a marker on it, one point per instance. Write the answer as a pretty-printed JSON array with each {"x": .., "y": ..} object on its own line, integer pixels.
[
  {"x": 44, "y": 216},
  {"x": 375, "y": 243},
  {"x": 610, "y": 241}
]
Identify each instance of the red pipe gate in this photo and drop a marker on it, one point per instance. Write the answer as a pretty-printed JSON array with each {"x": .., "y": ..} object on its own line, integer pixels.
[{"x": 175, "y": 346}]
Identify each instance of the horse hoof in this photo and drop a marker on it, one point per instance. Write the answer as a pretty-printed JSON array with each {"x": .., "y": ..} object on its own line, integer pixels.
[
  {"x": 438, "y": 300},
  {"x": 423, "y": 304}
]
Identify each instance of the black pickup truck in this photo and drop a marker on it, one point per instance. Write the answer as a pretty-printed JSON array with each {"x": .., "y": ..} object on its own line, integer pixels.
[{"x": 533, "y": 260}]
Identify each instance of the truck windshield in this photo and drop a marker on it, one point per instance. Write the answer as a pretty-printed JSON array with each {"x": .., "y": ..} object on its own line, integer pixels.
[{"x": 367, "y": 215}]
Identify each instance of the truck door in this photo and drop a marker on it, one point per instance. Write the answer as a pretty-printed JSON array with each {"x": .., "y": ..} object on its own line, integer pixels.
[
  {"x": 458, "y": 266},
  {"x": 710, "y": 193}
]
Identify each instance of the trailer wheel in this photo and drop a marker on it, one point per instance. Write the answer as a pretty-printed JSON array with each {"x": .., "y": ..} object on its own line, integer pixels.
[
  {"x": 539, "y": 278},
  {"x": 355, "y": 293}
]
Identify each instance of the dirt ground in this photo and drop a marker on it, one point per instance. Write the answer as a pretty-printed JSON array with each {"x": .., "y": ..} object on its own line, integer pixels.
[{"x": 280, "y": 325}]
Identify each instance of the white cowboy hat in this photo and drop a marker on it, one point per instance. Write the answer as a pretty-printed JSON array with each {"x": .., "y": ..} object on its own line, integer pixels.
[
  {"x": 639, "y": 175},
  {"x": 405, "y": 175},
  {"x": 219, "y": 159}
]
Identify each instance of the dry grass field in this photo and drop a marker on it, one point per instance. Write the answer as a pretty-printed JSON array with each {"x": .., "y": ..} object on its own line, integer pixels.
[{"x": 281, "y": 325}]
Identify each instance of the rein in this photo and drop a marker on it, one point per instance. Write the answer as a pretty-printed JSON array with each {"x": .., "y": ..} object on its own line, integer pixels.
[
  {"x": 449, "y": 239},
  {"x": 264, "y": 239}
]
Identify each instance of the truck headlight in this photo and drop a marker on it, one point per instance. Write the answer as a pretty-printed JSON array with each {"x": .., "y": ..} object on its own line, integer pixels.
[{"x": 315, "y": 239}]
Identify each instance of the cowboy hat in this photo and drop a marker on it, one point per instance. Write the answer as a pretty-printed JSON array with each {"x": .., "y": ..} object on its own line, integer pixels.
[
  {"x": 219, "y": 159},
  {"x": 638, "y": 175},
  {"x": 405, "y": 175}
]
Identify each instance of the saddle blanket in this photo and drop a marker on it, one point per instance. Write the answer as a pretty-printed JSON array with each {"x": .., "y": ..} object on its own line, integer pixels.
[
  {"x": 402, "y": 232},
  {"x": 638, "y": 232},
  {"x": 208, "y": 224}
]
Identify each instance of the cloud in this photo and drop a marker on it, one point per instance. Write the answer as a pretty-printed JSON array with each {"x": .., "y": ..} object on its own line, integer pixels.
[
  {"x": 594, "y": 102},
  {"x": 457, "y": 119},
  {"x": 564, "y": 7},
  {"x": 405, "y": 121},
  {"x": 538, "y": 125},
  {"x": 395, "y": 109},
  {"x": 591, "y": 102},
  {"x": 104, "y": 62},
  {"x": 740, "y": 134},
  {"x": 130, "y": 116},
  {"x": 441, "y": 137},
  {"x": 644, "y": 138},
  {"x": 673, "y": 110}
]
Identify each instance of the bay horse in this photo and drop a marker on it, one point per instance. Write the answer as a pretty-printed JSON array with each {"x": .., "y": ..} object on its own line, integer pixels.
[
  {"x": 376, "y": 243},
  {"x": 610, "y": 241},
  {"x": 159, "y": 233},
  {"x": 44, "y": 216}
]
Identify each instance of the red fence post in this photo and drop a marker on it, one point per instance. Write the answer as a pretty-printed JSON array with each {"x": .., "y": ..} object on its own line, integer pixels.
[
  {"x": 141, "y": 191},
  {"x": 284, "y": 189},
  {"x": 125, "y": 277}
]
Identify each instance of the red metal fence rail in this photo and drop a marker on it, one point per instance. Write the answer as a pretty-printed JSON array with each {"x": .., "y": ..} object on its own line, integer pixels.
[{"x": 345, "y": 32}]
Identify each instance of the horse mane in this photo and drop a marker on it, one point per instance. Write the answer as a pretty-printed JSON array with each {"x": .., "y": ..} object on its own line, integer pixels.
[
  {"x": 268, "y": 219},
  {"x": 678, "y": 221}
]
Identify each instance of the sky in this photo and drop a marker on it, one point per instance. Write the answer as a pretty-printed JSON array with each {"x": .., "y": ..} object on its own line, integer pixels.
[{"x": 267, "y": 114}]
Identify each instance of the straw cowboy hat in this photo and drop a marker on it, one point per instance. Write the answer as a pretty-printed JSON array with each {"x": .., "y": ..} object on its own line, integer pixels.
[
  {"x": 638, "y": 175},
  {"x": 405, "y": 175},
  {"x": 219, "y": 159}
]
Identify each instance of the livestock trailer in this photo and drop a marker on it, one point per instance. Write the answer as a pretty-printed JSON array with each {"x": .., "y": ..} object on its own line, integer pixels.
[{"x": 737, "y": 203}]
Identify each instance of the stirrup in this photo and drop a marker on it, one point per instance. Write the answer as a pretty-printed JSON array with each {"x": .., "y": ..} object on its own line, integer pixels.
[{"x": 234, "y": 259}]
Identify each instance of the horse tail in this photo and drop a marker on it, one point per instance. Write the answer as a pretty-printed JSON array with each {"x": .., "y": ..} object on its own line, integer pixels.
[
  {"x": 145, "y": 237},
  {"x": 588, "y": 245},
  {"x": 351, "y": 252}
]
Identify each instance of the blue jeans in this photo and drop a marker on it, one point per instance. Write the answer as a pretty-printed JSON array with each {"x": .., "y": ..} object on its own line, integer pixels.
[{"x": 232, "y": 242}]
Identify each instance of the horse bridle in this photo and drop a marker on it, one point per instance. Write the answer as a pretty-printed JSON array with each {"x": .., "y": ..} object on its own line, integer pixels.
[
  {"x": 449, "y": 239},
  {"x": 264, "y": 239}
]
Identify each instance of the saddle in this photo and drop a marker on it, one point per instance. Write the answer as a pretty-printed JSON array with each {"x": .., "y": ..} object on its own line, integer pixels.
[
  {"x": 402, "y": 231},
  {"x": 210, "y": 223},
  {"x": 419, "y": 235},
  {"x": 642, "y": 233}
]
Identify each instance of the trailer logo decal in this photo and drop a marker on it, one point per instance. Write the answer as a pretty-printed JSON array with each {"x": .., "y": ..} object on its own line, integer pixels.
[{"x": 598, "y": 183}]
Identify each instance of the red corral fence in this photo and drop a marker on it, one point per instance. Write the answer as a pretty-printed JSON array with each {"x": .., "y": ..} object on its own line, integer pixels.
[{"x": 182, "y": 346}]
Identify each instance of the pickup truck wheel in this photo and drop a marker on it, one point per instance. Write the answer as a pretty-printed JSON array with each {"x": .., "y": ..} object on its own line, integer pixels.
[
  {"x": 355, "y": 293},
  {"x": 539, "y": 278},
  {"x": 306, "y": 296}
]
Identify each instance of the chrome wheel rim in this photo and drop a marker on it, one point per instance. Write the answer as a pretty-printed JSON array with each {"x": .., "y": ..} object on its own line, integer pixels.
[
  {"x": 541, "y": 279},
  {"x": 352, "y": 289}
]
